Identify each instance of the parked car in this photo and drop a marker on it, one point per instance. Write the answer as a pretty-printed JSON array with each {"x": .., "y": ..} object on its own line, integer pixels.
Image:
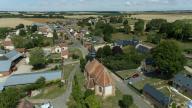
[{"x": 135, "y": 75}]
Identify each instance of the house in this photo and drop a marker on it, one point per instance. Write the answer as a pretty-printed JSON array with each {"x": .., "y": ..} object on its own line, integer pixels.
[
  {"x": 60, "y": 47},
  {"x": 132, "y": 42},
  {"x": 64, "y": 54},
  {"x": 8, "y": 61},
  {"x": 183, "y": 83},
  {"x": 50, "y": 35},
  {"x": 189, "y": 104},
  {"x": 157, "y": 98},
  {"x": 143, "y": 48},
  {"x": 29, "y": 78},
  {"x": 98, "y": 79},
  {"x": 8, "y": 44}
]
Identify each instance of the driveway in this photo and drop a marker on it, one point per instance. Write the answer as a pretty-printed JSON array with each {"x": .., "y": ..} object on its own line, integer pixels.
[{"x": 122, "y": 86}]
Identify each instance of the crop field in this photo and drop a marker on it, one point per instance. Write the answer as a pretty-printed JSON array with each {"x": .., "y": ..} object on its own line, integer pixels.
[
  {"x": 12, "y": 22},
  {"x": 168, "y": 17},
  {"x": 43, "y": 20},
  {"x": 79, "y": 16}
]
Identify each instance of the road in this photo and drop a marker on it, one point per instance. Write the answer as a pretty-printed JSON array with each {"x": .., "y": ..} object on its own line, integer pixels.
[
  {"x": 138, "y": 100},
  {"x": 61, "y": 101}
]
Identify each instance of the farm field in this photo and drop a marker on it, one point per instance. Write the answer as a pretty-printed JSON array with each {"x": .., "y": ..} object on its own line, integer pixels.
[
  {"x": 80, "y": 16},
  {"x": 12, "y": 22},
  {"x": 169, "y": 17},
  {"x": 42, "y": 20}
]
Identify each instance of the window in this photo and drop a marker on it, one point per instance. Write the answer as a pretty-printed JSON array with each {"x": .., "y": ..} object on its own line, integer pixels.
[{"x": 100, "y": 89}]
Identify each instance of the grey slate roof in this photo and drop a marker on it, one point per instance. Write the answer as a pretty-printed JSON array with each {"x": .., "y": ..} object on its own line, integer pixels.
[
  {"x": 27, "y": 78},
  {"x": 183, "y": 80},
  {"x": 157, "y": 95},
  {"x": 13, "y": 55},
  {"x": 5, "y": 65},
  {"x": 7, "y": 59}
]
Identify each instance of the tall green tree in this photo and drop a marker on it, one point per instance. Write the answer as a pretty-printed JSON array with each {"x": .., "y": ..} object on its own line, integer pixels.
[
  {"x": 139, "y": 26},
  {"x": 126, "y": 102},
  {"x": 55, "y": 36},
  {"x": 127, "y": 29},
  {"x": 10, "y": 97},
  {"x": 125, "y": 22},
  {"x": 168, "y": 57},
  {"x": 37, "y": 58},
  {"x": 155, "y": 24}
]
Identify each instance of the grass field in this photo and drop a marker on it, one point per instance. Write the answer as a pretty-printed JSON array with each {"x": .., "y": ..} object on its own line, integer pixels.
[
  {"x": 121, "y": 36},
  {"x": 126, "y": 73},
  {"x": 113, "y": 101},
  {"x": 67, "y": 70},
  {"x": 43, "y": 20},
  {"x": 51, "y": 92},
  {"x": 12, "y": 22},
  {"x": 168, "y": 17}
]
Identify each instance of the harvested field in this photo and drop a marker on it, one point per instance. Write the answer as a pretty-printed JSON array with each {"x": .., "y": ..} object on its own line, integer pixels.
[
  {"x": 169, "y": 17},
  {"x": 80, "y": 16},
  {"x": 43, "y": 20},
  {"x": 12, "y": 22}
]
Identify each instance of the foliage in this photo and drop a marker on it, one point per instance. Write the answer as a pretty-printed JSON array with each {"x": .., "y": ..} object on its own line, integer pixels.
[
  {"x": 9, "y": 98},
  {"x": 178, "y": 30},
  {"x": 88, "y": 93},
  {"x": 139, "y": 26},
  {"x": 37, "y": 58},
  {"x": 3, "y": 32},
  {"x": 22, "y": 32},
  {"x": 82, "y": 64},
  {"x": 33, "y": 28},
  {"x": 127, "y": 29},
  {"x": 55, "y": 36},
  {"x": 126, "y": 102},
  {"x": 155, "y": 24},
  {"x": 127, "y": 60},
  {"x": 125, "y": 22},
  {"x": 168, "y": 58},
  {"x": 93, "y": 102},
  {"x": 20, "y": 26},
  {"x": 153, "y": 37},
  {"x": 117, "y": 50}
]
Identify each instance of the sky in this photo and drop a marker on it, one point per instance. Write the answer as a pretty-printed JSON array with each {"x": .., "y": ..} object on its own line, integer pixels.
[{"x": 94, "y": 5}]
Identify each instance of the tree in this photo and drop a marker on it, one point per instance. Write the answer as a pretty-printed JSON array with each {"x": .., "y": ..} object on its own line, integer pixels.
[
  {"x": 3, "y": 32},
  {"x": 37, "y": 58},
  {"x": 139, "y": 26},
  {"x": 117, "y": 50},
  {"x": 55, "y": 36},
  {"x": 99, "y": 53},
  {"x": 125, "y": 22},
  {"x": 168, "y": 58},
  {"x": 107, "y": 37},
  {"x": 22, "y": 32},
  {"x": 82, "y": 64},
  {"x": 20, "y": 26},
  {"x": 126, "y": 102},
  {"x": 88, "y": 93},
  {"x": 93, "y": 102},
  {"x": 107, "y": 50},
  {"x": 9, "y": 98},
  {"x": 127, "y": 29},
  {"x": 155, "y": 24},
  {"x": 33, "y": 28}
]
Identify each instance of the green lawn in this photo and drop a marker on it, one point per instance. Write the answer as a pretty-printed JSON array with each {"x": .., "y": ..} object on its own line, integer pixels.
[
  {"x": 113, "y": 101},
  {"x": 126, "y": 73},
  {"x": 139, "y": 85},
  {"x": 76, "y": 51},
  {"x": 51, "y": 92},
  {"x": 185, "y": 45},
  {"x": 121, "y": 36},
  {"x": 67, "y": 70}
]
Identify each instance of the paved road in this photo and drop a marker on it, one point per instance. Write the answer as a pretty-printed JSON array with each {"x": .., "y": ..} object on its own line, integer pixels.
[
  {"x": 61, "y": 101},
  {"x": 138, "y": 100}
]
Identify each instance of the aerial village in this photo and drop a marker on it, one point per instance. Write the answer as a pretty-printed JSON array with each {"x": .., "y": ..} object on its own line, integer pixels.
[{"x": 96, "y": 62}]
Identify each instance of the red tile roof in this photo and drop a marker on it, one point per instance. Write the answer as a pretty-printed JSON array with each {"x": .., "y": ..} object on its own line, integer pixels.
[{"x": 99, "y": 73}]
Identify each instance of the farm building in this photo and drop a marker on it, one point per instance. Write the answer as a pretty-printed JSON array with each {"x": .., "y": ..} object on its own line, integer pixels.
[
  {"x": 8, "y": 61},
  {"x": 183, "y": 83},
  {"x": 98, "y": 79},
  {"x": 8, "y": 44},
  {"x": 158, "y": 99},
  {"x": 28, "y": 78}
]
